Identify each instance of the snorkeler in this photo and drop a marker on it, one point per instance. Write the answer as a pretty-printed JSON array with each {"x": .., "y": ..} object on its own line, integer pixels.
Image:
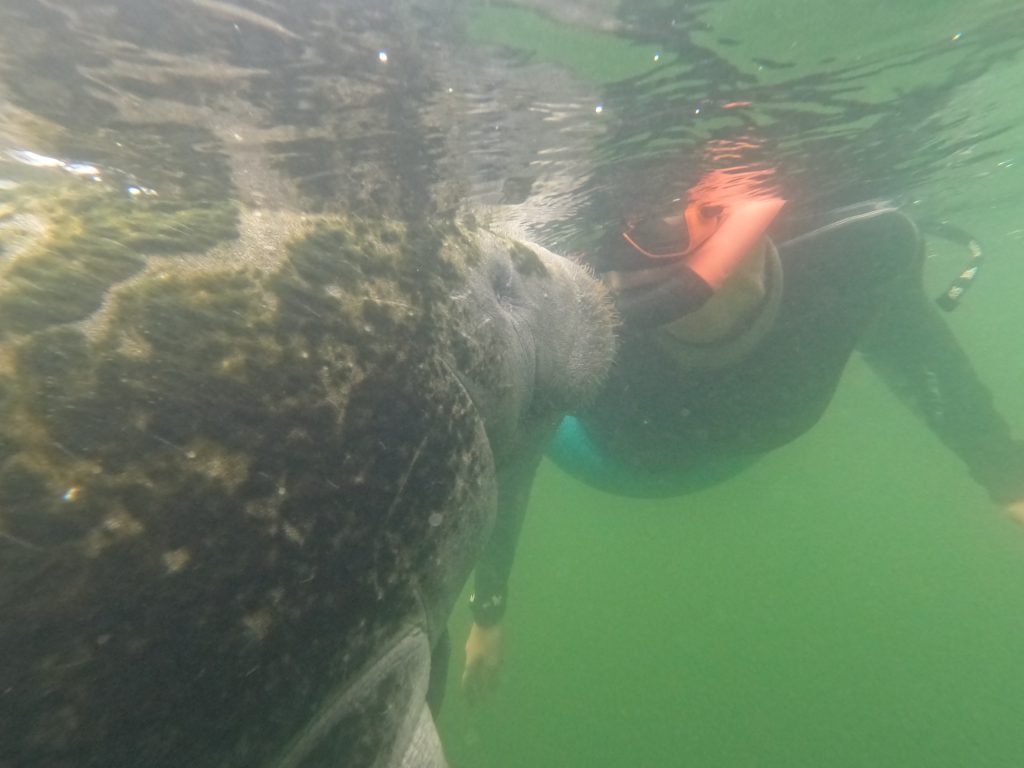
[{"x": 738, "y": 321}]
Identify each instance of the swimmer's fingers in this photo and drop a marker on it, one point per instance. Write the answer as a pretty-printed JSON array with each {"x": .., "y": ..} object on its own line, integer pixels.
[
  {"x": 1016, "y": 510},
  {"x": 484, "y": 657}
]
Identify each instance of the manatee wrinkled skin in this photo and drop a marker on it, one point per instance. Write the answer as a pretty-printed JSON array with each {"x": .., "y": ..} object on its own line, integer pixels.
[{"x": 238, "y": 500}]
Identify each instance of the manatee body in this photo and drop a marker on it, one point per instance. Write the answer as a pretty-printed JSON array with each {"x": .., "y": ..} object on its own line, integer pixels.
[
  {"x": 238, "y": 500},
  {"x": 261, "y": 377}
]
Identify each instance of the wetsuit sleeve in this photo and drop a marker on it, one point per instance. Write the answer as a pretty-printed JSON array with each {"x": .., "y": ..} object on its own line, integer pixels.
[
  {"x": 914, "y": 350},
  {"x": 495, "y": 564}
]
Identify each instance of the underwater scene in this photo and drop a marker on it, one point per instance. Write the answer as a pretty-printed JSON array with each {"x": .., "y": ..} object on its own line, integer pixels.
[{"x": 548, "y": 383}]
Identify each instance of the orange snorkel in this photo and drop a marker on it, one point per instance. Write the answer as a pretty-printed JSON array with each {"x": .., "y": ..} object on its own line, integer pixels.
[{"x": 726, "y": 214}]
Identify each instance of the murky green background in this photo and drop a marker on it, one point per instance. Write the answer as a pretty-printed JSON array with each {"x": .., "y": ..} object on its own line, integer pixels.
[{"x": 854, "y": 599}]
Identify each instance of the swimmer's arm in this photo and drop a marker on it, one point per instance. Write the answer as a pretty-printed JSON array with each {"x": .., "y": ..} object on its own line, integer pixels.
[
  {"x": 484, "y": 647},
  {"x": 916, "y": 353},
  {"x": 495, "y": 563}
]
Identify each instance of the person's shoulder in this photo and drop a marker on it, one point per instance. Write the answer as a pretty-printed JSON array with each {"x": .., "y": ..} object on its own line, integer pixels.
[{"x": 879, "y": 231}]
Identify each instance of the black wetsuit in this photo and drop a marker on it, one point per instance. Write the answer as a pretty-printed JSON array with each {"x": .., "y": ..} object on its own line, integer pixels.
[{"x": 849, "y": 281}]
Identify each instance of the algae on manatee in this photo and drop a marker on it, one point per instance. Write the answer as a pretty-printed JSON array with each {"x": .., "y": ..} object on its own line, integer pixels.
[
  {"x": 77, "y": 239},
  {"x": 218, "y": 438}
]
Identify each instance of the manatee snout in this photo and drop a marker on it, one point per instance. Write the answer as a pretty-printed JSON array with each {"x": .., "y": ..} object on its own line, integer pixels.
[
  {"x": 550, "y": 326},
  {"x": 574, "y": 324}
]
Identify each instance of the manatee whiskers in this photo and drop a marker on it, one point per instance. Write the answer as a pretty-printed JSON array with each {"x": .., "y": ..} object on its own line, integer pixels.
[{"x": 21, "y": 542}]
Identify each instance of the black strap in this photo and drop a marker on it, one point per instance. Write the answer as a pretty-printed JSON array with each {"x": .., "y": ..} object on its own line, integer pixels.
[{"x": 950, "y": 298}]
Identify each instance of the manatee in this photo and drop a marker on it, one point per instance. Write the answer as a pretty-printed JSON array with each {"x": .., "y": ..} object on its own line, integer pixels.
[
  {"x": 260, "y": 392},
  {"x": 238, "y": 500}
]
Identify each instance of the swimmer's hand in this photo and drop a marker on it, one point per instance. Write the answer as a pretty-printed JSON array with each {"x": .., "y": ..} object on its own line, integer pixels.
[
  {"x": 485, "y": 652},
  {"x": 1016, "y": 510}
]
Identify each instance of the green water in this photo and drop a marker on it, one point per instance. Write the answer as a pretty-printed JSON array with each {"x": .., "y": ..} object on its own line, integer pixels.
[{"x": 855, "y": 599}]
